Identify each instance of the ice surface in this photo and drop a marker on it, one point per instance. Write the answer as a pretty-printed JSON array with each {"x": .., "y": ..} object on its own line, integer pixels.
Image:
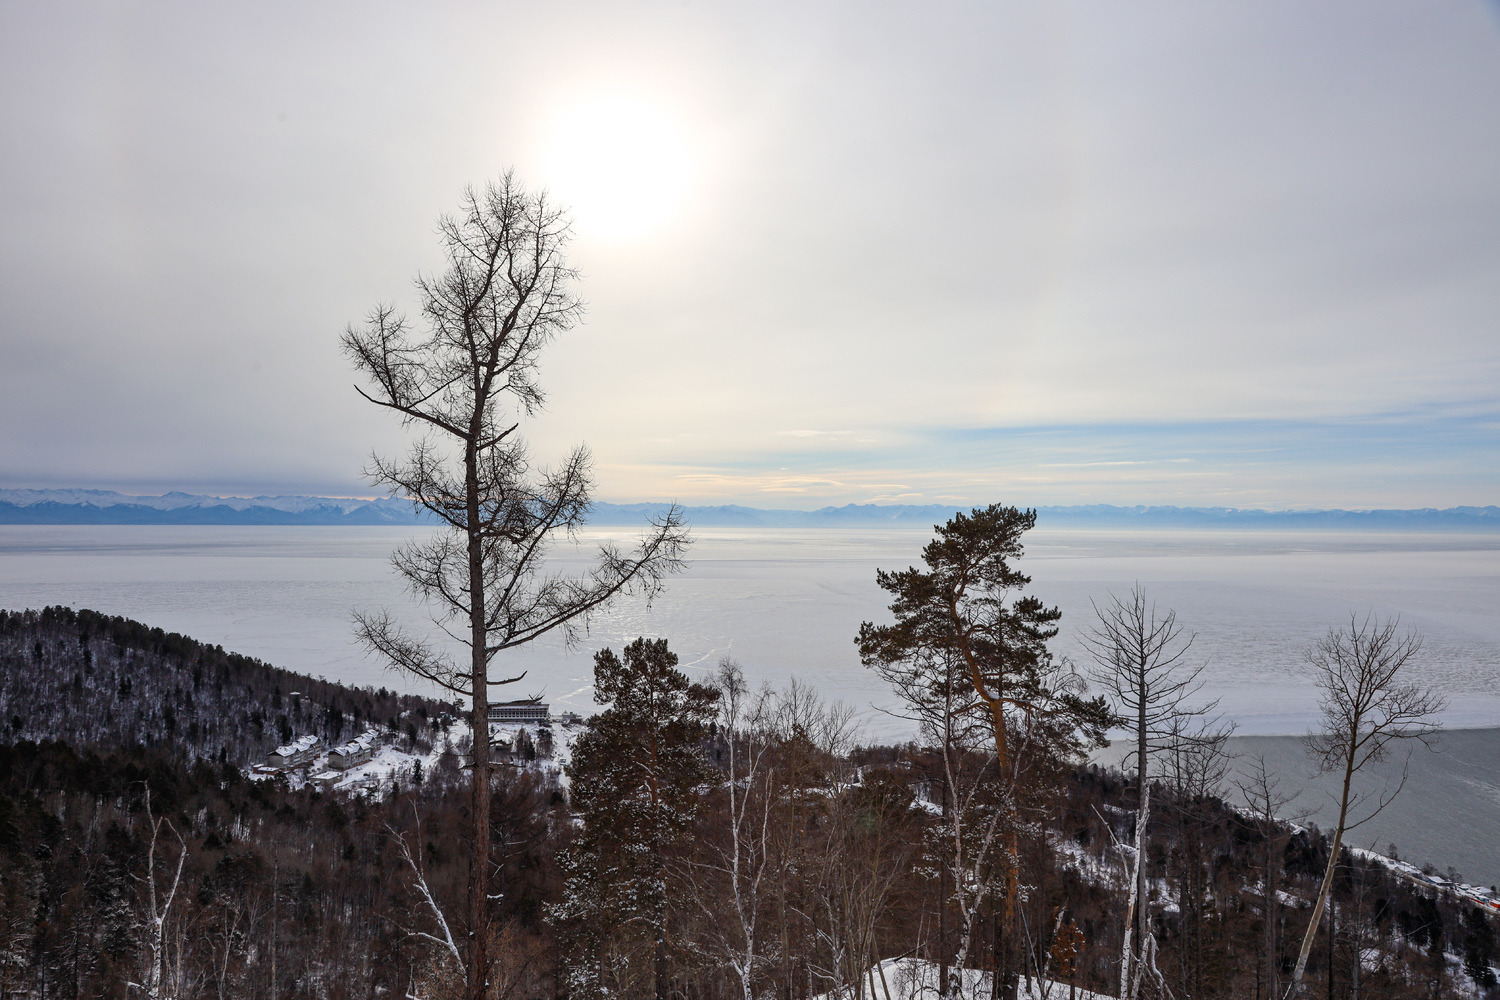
[{"x": 787, "y": 602}]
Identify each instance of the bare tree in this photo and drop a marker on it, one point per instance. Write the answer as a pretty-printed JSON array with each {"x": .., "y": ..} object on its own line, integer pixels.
[
  {"x": 464, "y": 381},
  {"x": 939, "y": 697},
  {"x": 1262, "y": 793},
  {"x": 1139, "y": 655},
  {"x": 1367, "y": 706},
  {"x": 1194, "y": 769},
  {"x": 159, "y": 978},
  {"x": 751, "y": 866},
  {"x": 745, "y": 863}
]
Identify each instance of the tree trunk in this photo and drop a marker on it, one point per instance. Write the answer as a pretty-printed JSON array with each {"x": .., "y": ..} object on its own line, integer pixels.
[
  {"x": 1268, "y": 884},
  {"x": 1333, "y": 861},
  {"x": 1354, "y": 970},
  {"x": 479, "y": 857},
  {"x": 943, "y": 991},
  {"x": 943, "y": 983},
  {"x": 1143, "y": 816},
  {"x": 1332, "y": 941}
]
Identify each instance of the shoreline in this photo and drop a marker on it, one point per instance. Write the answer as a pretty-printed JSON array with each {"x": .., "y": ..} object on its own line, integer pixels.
[{"x": 1446, "y": 815}]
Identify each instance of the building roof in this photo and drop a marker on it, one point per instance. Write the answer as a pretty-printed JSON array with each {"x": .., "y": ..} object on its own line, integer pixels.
[
  {"x": 364, "y": 741},
  {"x": 297, "y": 746}
]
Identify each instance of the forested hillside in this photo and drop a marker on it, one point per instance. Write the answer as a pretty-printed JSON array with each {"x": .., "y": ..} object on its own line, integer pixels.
[
  {"x": 95, "y": 680},
  {"x": 718, "y": 843}
]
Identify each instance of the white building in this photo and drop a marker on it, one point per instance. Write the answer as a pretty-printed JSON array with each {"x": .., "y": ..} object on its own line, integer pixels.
[{"x": 520, "y": 713}]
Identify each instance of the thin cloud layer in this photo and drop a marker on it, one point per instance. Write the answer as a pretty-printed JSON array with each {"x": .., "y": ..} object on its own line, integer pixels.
[{"x": 1052, "y": 253}]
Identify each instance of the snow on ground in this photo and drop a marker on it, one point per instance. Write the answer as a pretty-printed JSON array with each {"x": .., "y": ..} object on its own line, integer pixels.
[
  {"x": 391, "y": 765},
  {"x": 1093, "y": 870},
  {"x": 1282, "y": 896},
  {"x": 915, "y": 979}
]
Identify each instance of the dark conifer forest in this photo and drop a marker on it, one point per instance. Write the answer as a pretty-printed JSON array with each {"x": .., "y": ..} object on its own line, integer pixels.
[{"x": 693, "y": 840}]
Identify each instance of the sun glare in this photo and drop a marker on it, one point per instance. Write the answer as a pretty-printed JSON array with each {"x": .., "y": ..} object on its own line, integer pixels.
[{"x": 620, "y": 164}]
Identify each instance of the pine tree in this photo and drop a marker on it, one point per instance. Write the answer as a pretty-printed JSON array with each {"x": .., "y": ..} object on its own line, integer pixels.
[
  {"x": 634, "y": 779},
  {"x": 967, "y": 610},
  {"x": 1479, "y": 949}
]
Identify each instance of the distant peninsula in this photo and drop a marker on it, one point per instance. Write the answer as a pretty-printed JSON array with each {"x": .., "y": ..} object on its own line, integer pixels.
[{"x": 108, "y": 507}]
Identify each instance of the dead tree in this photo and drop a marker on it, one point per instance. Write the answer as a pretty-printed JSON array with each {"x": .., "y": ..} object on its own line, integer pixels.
[
  {"x": 1194, "y": 769},
  {"x": 464, "y": 379},
  {"x": 1367, "y": 706},
  {"x": 1262, "y": 794},
  {"x": 159, "y": 979},
  {"x": 1139, "y": 656}
]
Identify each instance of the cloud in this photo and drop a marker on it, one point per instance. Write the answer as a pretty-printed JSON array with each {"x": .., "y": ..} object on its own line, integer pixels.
[
  {"x": 1079, "y": 249},
  {"x": 1250, "y": 463}
]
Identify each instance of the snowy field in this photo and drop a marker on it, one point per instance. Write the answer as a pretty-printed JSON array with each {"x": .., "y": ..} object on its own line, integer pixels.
[{"x": 787, "y": 602}]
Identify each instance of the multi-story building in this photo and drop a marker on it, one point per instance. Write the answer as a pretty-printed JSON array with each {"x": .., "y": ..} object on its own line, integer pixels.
[
  {"x": 520, "y": 713},
  {"x": 295, "y": 754},
  {"x": 357, "y": 751}
]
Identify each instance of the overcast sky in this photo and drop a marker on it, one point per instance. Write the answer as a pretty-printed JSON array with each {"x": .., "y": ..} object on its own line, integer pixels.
[{"x": 1241, "y": 253}]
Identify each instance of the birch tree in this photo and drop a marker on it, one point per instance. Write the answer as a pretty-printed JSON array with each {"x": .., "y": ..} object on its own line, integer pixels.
[
  {"x": 964, "y": 843},
  {"x": 1263, "y": 795},
  {"x": 741, "y": 869},
  {"x": 160, "y": 979},
  {"x": 1368, "y": 708},
  {"x": 463, "y": 377}
]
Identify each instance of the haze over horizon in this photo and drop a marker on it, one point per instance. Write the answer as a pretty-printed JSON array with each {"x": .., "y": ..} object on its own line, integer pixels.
[
  {"x": 177, "y": 499},
  {"x": 1239, "y": 255}
]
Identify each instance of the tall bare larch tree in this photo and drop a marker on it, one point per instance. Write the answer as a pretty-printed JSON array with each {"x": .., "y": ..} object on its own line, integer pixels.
[{"x": 464, "y": 376}]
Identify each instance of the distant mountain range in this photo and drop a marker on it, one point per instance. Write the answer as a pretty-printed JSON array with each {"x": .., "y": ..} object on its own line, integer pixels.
[{"x": 107, "y": 507}]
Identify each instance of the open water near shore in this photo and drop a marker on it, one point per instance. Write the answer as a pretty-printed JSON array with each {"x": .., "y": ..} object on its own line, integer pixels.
[{"x": 787, "y": 602}]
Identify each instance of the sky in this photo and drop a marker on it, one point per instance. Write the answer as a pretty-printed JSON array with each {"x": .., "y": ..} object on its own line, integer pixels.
[{"x": 1243, "y": 253}]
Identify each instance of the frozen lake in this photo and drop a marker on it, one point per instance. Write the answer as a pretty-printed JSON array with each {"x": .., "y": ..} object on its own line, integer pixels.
[{"x": 787, "y": 602}]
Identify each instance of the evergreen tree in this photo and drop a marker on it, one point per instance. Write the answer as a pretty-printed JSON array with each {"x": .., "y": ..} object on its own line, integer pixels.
[
  {"x": 967, "y": 610},
  {"x": 1479, "y": 949},
  {"x": 634, "y": 779}
]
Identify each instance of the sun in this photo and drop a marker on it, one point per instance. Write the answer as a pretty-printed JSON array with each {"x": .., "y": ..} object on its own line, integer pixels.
[{"x": 620, "y": 164}]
